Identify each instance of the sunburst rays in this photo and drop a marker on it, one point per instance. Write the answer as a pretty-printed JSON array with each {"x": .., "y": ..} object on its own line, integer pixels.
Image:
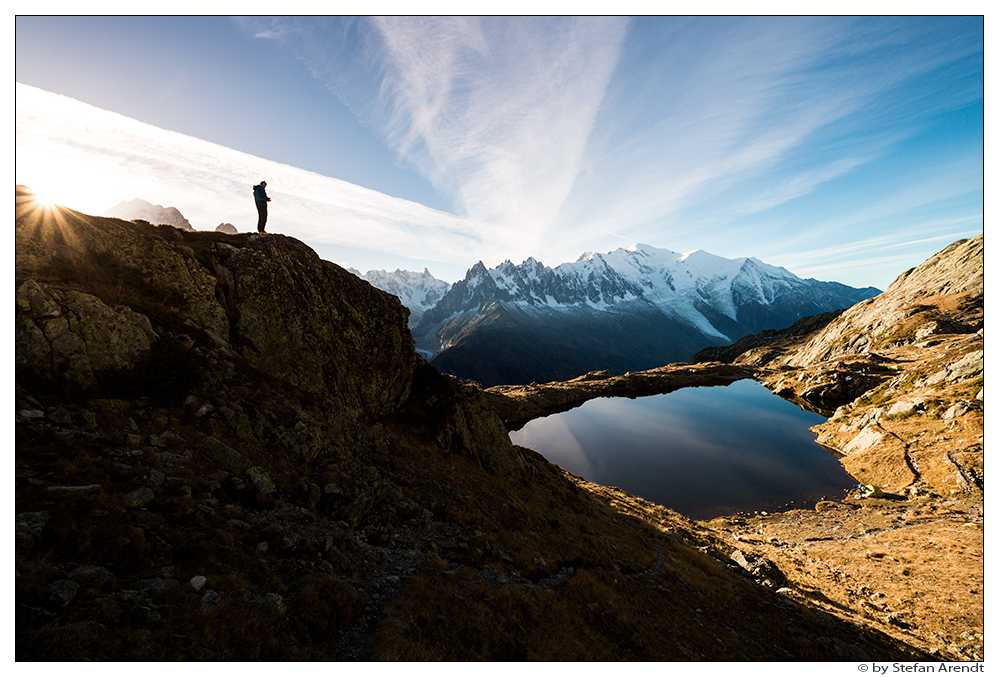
[{"x": 42, "y": 220}]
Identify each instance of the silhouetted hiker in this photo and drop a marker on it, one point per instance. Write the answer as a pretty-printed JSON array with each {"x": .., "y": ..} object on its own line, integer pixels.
[{"x": 260, "y": 197}]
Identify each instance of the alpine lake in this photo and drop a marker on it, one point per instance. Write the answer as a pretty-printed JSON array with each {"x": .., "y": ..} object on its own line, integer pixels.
[{"x": 703, "y": 452}]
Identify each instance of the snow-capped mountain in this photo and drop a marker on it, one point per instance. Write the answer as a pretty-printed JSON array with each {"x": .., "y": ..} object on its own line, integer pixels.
[
  {"x": 154, "y": 214},
  {"x": 629, "y": 309},
  {"x": 417, "y": 291}
]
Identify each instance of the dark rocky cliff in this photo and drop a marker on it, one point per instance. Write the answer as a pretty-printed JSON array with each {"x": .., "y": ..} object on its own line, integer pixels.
[
  {"x": 227, "y": 449},
  {"x": 110, "y": 308},
  {"x": 266, "y": 301}
]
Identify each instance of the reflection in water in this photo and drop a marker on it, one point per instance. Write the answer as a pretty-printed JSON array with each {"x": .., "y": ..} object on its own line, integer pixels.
[{"x": 703, "y": 452}]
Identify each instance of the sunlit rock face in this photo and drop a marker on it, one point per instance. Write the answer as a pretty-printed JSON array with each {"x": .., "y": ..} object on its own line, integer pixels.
[
  {"x": 892, "y": 317},
  {"x": 155, "y": 214}
]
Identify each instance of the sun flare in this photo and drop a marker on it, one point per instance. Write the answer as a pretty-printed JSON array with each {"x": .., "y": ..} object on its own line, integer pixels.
[{"x": 45, "y": 199}]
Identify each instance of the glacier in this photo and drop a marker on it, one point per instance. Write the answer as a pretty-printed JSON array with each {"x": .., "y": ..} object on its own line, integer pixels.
[{"x": 644, "y": 305}]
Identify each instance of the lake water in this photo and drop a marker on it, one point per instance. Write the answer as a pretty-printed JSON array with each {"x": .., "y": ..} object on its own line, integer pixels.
[{"x": 704, "y": 452}]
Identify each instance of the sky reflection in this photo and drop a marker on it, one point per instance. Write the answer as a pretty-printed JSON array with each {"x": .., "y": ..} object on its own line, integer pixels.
[{"x": 701, "y": 451}]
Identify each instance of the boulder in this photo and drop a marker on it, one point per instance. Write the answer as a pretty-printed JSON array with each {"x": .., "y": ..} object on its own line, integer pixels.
[
  {"x": 261, "y": 479},
  {"x": 969, "y": 367},
  {"x": 210, "y": 600},
  {"x": 866, "y": 439},
  {"x": 957, "y": 410},
  {"x": 92, "y": 576},
  {"x": 759, "y": 567},
  {"x": 902, "y": 408},
  {"x": 73, "y": 337},
  {"x": 63, "y": 591},
  {"x": 139, "y": 497},
  {"x": 29, "y": 526},
  {"x": 862, "y": 420},
  {"x": 223, "y": 455}
]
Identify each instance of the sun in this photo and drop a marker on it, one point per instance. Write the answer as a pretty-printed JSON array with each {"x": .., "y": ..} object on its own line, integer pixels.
[
  {"x": 44, "y": 188},
  {"x": 45, "y": 199}
]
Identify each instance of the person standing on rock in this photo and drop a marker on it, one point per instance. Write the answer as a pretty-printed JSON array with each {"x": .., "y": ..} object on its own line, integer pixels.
[{"x": 260, "y": 197}]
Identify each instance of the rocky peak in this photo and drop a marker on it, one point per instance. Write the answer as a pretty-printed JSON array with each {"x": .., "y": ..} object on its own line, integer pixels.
[
  {"x": 954, "y": 270},
  {"x": 897, "y": 315},
  {"x": 146, "y": 211},
  {"x": 476, "y": 272},
  {"x": 417, "y": 291}
]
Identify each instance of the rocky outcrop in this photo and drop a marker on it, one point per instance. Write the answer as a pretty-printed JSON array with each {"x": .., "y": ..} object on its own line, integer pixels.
[
  {"x": 74, "y": 337},
  {"x": 309, "y": 321},
  {"x": 268, "y": 300},
  {"x": 970, "y": 366},
  {"x": 905, "y": 312},
  {"x": 212, "y": 305}
]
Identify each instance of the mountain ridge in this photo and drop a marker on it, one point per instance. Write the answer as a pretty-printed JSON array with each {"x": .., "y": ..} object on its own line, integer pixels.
[
  {"x": 418, "y": 291},
  {"x": 602, "y": 308}
]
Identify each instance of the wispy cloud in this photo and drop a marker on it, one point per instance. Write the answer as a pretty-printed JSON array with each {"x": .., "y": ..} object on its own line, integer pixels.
[
  {"x": 92, "y": 159},
  {"x": 757, "y": 114},
  {"x": 496, "y": 112},
  {"x": 883, "y": 253},
  {"x": 655, "y": 130},
  {"x": 554, "y": 136},
  {"x": 500, "y": 109}
]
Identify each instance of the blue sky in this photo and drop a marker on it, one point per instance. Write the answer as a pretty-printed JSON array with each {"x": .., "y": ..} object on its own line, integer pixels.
[{"x": 845, "y": 149}]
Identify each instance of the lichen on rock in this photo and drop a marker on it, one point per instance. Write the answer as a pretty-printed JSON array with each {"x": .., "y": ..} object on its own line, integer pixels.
[{"x": 75, "y": 336}]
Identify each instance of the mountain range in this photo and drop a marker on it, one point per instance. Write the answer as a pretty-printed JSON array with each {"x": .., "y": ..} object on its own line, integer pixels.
[
  {"x": 625, "y": 310},
  {"x": 418, "y": 291}
]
